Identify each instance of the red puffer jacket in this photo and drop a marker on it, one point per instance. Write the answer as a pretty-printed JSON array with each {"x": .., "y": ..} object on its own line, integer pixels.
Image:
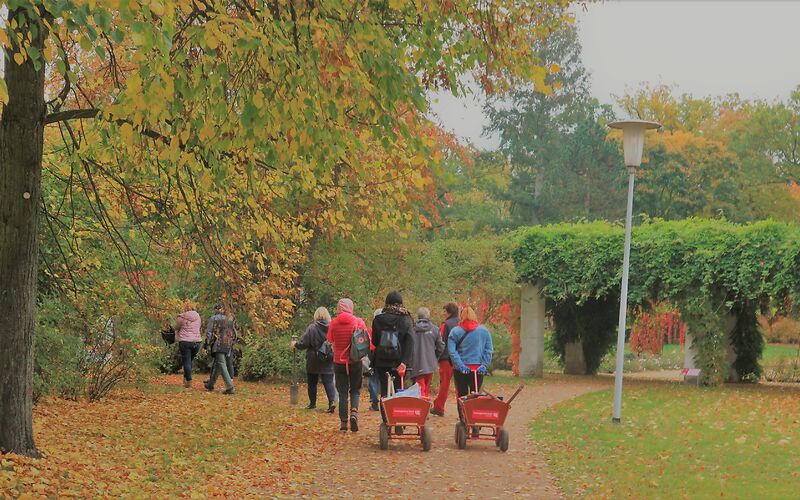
[{"x": 340, "y": 334}]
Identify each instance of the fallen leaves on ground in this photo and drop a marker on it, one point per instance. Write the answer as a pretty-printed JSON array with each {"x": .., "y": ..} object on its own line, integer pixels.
[{"x": 169, "y": 440}]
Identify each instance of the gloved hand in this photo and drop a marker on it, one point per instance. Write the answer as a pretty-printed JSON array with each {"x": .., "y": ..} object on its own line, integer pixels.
[
  {"x": 463, "y": 369},
  {"x": 482, "y": 370}
]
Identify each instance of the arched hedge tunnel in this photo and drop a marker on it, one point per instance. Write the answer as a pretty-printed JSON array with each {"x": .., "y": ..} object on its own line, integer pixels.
[{"x": 720, "y": 275}]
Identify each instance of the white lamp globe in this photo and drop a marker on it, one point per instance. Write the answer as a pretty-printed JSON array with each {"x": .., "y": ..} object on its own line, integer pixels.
[{"x": 633, "y": 138}]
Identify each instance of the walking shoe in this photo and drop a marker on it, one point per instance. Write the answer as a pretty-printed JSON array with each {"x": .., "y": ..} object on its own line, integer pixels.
[
  {"x": 354, "y": 421},
  {"x": 208, "y": 386},
  {"x": 187, "y": 383},
  {"x": 311, "y": 407},
  {"x": 374, "y": 406},
  {"x": 228, "y": 391},
  {"x": 343, "y": 427},
  {"x": 331, "y": 408},
  {"x": 437, "y": 413}
]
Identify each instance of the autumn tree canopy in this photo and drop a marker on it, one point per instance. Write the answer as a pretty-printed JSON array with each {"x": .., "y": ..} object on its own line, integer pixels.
[{"x": 227, "y": 135}]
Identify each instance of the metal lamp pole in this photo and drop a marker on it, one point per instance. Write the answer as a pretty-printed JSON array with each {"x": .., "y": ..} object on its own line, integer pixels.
[{"x": 633, "y": 145}]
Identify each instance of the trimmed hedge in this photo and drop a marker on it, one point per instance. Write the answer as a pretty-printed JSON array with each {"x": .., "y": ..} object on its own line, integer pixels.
[{"x": 707, "y": 267}]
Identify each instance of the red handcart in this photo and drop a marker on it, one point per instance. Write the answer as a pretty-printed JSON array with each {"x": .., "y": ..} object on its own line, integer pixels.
[
  {"x": 404, "y": 412},
  {"x": 483, "y": 413}
]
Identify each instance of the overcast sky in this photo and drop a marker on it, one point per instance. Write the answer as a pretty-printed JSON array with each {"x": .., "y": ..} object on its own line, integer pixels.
[{"x": 705, "y": 48}]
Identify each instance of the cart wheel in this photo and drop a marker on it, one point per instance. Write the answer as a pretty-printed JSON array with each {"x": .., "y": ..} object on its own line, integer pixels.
[
  {"x": 461, "y": 435},
  {"x": 502, "y": 440},
  {"x": 383, "y": 436},
  {"x": 427, "y": 438}
]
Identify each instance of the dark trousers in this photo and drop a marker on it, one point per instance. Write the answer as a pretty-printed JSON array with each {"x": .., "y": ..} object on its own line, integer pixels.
[
  {"x": 384, "y": 381},
  {"x": 327, "y": 383},
  {"x": 374, "y": 387},
  {"x": 465, "y": 382},
  {"x": 348, "y": 384},
  {"x": 188, "y": 351}
]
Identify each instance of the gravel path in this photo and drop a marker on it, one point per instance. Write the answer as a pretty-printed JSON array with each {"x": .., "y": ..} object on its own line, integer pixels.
[{"x": 352, "y": 464}]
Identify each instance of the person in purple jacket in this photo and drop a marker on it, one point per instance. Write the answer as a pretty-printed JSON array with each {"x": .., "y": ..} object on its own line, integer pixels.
[{"x": 187, "y": 328}]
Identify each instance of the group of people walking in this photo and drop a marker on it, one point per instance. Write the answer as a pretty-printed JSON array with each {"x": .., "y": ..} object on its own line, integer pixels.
[
  {"x": 400, "y": 348},
  {"x": 219, "y": 339}
]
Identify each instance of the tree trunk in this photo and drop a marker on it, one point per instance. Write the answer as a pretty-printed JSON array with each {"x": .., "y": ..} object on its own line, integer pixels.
[{"x": 21, "y": 141}]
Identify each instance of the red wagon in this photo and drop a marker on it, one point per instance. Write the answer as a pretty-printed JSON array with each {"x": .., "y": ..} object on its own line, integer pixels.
[
  {"x": 484, "y": 414},
  {"x": 401, "y": 413}
]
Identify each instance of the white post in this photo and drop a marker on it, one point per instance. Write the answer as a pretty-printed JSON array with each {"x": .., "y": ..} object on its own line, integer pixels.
[
  {"x": 531, "y": 326},
  {"x": 623, "y": 301}
]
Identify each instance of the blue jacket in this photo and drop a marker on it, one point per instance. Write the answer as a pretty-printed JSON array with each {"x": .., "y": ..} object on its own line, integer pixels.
[{"x": 475, "y": 349}]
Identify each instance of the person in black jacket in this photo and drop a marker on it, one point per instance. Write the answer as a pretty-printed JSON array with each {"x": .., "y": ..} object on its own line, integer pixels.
[
  {"x": 391, "y": 336},
  {"x": 313, "y": 338},
  {"x": 445, "y": 365}
]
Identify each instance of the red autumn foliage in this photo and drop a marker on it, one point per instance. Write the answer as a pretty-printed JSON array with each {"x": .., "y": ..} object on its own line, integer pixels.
[{"x": 654, "y": 327}]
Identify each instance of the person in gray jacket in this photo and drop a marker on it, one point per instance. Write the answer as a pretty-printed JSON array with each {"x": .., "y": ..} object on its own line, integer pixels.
[
  {"x": 427, "y": 346},
  {"x": 220, "y": 335}
]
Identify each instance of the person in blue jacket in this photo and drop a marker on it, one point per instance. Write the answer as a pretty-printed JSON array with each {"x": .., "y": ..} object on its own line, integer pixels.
[{"x": 469, "y": 343}]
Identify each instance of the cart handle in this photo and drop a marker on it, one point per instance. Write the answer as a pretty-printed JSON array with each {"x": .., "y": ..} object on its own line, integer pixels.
[
  {"x": 515, "y": 393},
  {"x": 474, "y": 369}
]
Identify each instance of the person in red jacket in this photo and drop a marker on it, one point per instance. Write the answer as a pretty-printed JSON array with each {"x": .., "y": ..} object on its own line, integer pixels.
[
  {"x": 348, "y": 375},
  {"x": 445, "y": 365}
]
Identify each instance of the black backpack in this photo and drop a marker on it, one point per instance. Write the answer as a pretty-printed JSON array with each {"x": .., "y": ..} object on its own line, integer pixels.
[
  {"x": 324, "y": 352},
  {"x": 389, "y": 345}
]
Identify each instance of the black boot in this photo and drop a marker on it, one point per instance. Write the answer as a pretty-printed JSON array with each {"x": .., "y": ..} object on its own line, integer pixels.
[
  {"x": 311, "y": 406},
  {"x": 331, "y": 407},
  {"x": 354, "y": 420},
  {"x": 343, "y": 427}
]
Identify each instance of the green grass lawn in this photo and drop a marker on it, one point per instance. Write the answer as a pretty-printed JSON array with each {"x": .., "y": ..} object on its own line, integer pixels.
[
  {"x": 775, "y": 351},
  {"x": 676, "y": 442}
]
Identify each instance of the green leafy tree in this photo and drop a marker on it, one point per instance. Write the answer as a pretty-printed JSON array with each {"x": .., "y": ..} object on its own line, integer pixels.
[
  {"x": 250, "y": 124},
  {"x": 561, "y": 165}
]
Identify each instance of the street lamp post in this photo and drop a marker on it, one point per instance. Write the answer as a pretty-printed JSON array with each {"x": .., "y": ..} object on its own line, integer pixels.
[{"x": 633, "y": 145}]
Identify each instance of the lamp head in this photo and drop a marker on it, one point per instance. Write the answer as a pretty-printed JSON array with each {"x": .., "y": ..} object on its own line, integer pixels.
[{"x": 633, "y": 138}]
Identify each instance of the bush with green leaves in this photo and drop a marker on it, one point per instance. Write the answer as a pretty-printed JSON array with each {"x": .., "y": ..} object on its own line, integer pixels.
[
  {"x": 271, "y": 357},
  {"x": 88, "y": 348},
  {"x": 711, "y": 269},
  {"x": 56, "y": 369}
]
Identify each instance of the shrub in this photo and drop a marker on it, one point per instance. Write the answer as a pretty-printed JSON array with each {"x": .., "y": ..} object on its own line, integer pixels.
[
  {"x": 168, "y": 360},
  {"x": 57, "y": 355},
  {"x": 654, "y": 326},
  {"x": 85, "y": 351},
  {"x": 266, "y": 357},
  {"x": 748, "y": 344},
  {"x": 780, "y": 329},
  {"x": 591, "y": 323},
  {"x": 713, "y": 266},
  {"x": 784, "y": 369},
  {"x": 501, "y": 341}
]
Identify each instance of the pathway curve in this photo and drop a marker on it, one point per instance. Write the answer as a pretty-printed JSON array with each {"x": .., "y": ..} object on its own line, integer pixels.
[{"x": 404, "y": 471}]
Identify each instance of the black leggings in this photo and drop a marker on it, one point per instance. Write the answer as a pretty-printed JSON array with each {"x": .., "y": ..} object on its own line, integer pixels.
[{"x": 465, "y": 382}]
